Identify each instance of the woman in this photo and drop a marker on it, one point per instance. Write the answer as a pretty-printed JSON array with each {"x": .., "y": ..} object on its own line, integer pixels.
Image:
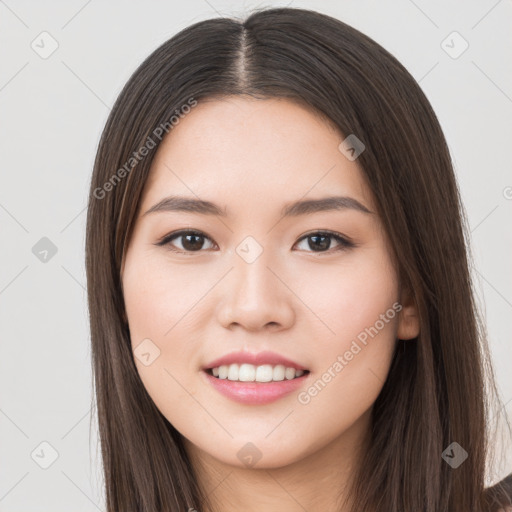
[{"x": 282, "y": 315}]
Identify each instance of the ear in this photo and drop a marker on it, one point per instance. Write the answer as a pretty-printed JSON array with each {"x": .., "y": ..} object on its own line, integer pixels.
[{"x": 408, "y": 318}]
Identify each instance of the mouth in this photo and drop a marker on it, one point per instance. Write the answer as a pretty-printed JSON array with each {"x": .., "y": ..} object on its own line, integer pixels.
[
  {"x": 261, "y": 374},
  {"x": 255, "y": 385}
]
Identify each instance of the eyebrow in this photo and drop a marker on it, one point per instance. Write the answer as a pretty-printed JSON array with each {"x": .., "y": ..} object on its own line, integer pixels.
[{"x": 294, "y": 209}]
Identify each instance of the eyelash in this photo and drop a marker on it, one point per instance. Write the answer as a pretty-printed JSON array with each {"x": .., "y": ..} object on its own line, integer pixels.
[{"x": 344, "y": 243}]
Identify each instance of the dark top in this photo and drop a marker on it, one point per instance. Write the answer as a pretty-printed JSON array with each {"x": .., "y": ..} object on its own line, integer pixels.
[{"x": 500, "y": 495}]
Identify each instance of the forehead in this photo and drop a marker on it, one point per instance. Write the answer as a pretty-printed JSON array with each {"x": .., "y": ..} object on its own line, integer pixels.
[{"x": 241, "y": 148}]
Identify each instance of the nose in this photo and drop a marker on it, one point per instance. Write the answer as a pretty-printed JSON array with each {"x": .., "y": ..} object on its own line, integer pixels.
[{"x": 255, "y": 296}]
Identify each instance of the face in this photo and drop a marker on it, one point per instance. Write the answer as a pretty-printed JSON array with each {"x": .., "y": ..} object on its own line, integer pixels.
[{"x": 313, "y": 285}]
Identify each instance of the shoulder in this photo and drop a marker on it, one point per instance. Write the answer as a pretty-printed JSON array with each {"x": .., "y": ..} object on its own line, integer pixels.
[{"x": 499, "y": 496}]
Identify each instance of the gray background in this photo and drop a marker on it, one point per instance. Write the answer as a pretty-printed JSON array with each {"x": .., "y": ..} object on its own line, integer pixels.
[{"x": 52, "y": 111}]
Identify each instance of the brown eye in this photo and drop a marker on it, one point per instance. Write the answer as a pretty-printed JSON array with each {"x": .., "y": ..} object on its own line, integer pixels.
[
  {"x": 191, "y": 241},
  {"x": 320, "y": 241}
]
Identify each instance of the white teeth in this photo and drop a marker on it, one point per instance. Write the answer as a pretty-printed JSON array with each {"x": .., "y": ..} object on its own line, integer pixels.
[
  {"x": 250, "y": 373},
  {"x": 289, "y": 373},
  {"x": 223, "y": 372},
  {"x": 278, "y": 372},
  {"x": 264, "y": 373},
  {"x": 246, "y": 373},
  {"x": 233, "y": 372}
]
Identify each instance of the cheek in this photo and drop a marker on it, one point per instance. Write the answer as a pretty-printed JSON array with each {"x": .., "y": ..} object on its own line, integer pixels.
[
  {"x": 156, "y": 307},
  {"x": 164, "y": 304},
  {"x": 157, "y": 303},
  {"x": 358, "y": 303},
  {"x": 350, "y": 297}
]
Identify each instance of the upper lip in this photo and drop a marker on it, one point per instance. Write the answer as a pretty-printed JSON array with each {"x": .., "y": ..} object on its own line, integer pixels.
[{"x": 258, "y": 359}]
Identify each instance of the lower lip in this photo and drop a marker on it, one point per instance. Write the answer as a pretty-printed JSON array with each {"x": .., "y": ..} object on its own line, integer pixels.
[{"x": 255, "y": 393}]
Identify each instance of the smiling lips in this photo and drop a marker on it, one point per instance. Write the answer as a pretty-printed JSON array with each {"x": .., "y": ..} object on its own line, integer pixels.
[
  {"x": 255, "y": 378},
  {"x": 261, "y": 367}
]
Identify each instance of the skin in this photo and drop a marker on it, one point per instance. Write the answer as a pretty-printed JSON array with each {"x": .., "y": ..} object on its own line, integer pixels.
[{"x": 299, "y": 300}]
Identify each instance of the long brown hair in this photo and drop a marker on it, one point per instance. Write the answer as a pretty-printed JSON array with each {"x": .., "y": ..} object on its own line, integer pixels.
[{"x": 441, "y": 386}]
